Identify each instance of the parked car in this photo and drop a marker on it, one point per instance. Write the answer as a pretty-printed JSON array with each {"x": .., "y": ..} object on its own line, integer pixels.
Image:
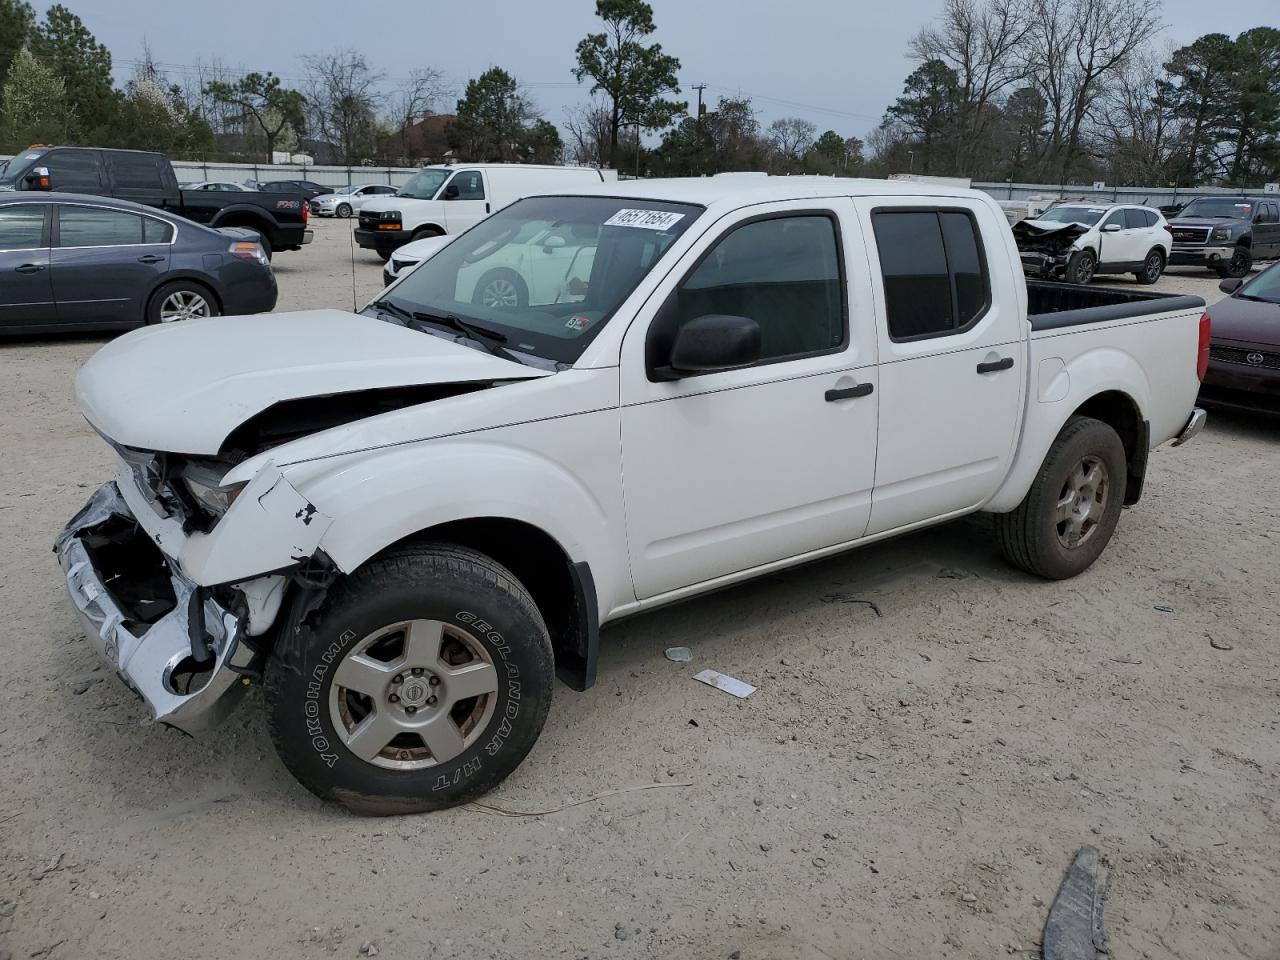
[
  {"x": 1244, "y": 354},
  {"x": 406, "y": 522},
  {"x": 550, "y": 265},
  {"x": 309, "y": 189},
  {"x": 279, "y": 219},
  {"x": 1226, "y": 234},
  {"x": 346, "y": 200},
  {"x": 221, "y": 186},
  {"x": 74, "y": 262},
  {"x": 447, "y": 200},
  {"x": 1077, "y": 240}
]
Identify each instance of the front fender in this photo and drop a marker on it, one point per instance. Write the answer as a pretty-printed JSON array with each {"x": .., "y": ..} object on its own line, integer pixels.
[
  {"x": 1058, "y": 389},
  {"x": 387, "y": 495}
]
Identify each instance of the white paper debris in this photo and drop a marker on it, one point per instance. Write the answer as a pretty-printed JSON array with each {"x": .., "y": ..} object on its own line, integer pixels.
[
  {"x": 730, "y": 685},
  {"x": 678, "y": 654}
]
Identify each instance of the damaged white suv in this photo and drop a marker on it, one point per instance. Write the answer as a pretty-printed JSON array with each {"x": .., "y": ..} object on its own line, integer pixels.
[{"x": 404, "y": 523}]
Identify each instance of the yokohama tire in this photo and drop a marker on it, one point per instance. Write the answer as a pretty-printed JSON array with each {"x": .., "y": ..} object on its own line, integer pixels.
[
  {"x": 468, "y": 596},
  {"x": 1032, "y": 536}
]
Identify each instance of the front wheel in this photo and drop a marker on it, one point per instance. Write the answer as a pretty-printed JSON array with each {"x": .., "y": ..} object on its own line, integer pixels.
[
  {"x": 1081, "y": 266},
  {"x": 1238, "y": 266},
  {"x": 1152, "y": 268},
  {"x": 1073, "y": 506},
  {"x": 422, "y": 681},
  {"x": 501, "y": 289},
  {"x": 344, "y": 210}
]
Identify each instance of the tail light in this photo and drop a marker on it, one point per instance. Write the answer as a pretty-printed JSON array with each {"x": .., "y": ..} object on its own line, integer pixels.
[
  {"x": 248, "y": 250},
  {"x": 306, "y": 212},
  {"x": 1202, "y": 354},
  {"x": 1168, "y": 229}
]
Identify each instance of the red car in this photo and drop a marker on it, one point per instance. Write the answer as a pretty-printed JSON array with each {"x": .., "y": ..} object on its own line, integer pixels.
[{"x": 1244, "y": 355}]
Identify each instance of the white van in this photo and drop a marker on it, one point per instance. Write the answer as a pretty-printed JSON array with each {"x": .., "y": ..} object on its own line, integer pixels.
[{"x": 443, "y": 200}]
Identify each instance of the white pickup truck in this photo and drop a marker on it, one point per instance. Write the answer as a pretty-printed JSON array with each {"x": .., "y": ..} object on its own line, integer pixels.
[{"x": 406, "y": 522}]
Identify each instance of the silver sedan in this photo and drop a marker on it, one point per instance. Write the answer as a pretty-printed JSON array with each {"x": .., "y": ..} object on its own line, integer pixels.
[{"x": 344, "y": 201}]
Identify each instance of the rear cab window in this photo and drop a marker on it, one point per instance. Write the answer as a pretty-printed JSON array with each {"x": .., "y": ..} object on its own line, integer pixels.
[{"x": 934, "y": 271}]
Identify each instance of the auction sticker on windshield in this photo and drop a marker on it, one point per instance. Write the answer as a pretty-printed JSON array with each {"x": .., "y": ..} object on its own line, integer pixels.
[{"x": 645, "y": 219}]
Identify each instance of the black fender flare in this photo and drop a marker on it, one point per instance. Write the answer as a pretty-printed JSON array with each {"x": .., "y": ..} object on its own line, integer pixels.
[{"x": 576, "y": 660}]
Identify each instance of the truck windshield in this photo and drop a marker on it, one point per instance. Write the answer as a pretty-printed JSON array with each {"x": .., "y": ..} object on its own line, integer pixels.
[
  {"x": 1216, "y": 208},
  {"x": 15, "y": 167},
  {"x": 424, "y": 184},
  {"x": 1086, "y": 215},
  {"x": 543, "y": 276}
]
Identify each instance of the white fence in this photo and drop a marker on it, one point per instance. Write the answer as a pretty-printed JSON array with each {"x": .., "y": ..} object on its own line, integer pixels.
[{"x": 1149, "y": 196}]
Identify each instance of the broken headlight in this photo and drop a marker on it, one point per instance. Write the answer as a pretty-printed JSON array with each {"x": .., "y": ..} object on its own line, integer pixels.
[{"x": 204, "y": 482}]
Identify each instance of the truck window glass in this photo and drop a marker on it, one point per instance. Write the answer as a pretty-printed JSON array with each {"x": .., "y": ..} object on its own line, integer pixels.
[
  {"x": 935, "y": 280},
  {"x": 784, "y": 274},
  {"x": 470, "y": 185},
  {"x": 21, "y": 226},
  {"x": 96, "y": 227},
  {"x": 135, "y": 172},
  {"x": 74, "y": 171}
]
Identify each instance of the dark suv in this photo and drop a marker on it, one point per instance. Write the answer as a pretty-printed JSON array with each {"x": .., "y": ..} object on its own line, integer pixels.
[{"x": 1226, "y": 234}]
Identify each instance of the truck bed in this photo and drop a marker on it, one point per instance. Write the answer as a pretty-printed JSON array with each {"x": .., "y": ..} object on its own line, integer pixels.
[{"x": 1052, "y": 305}]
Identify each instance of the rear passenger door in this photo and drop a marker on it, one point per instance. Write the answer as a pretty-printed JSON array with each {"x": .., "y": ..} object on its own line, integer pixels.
[
  {"x": 734, "y": 469},
  {"x": 466, "y": 202},
  {"x": 136, "y": 177},
  {"x": 1266, "y": 231},
  {"x": 952, "y": 357},
  {"x": 105, "y": 263}
]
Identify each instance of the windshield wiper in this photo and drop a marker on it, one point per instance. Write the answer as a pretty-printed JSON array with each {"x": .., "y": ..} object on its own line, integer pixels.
[
  {"x": 491, "y": 340},
  {"x": 394, "y": 309}
]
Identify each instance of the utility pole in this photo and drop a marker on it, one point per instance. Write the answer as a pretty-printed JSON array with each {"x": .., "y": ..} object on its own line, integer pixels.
[{"x": 698, "y": 122}]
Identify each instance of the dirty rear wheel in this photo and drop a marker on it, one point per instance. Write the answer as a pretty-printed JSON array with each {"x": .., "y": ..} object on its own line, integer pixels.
[
  {"x": 1073, "y": 506},
  {"x": 422, "y": 681}
]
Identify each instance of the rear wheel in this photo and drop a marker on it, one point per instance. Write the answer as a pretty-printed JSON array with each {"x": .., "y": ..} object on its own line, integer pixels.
[
  {"x": 181, "y": 300},
  {"x": 1238, "y": 266},
  {"x": 1073, "y": 506},
  {"x": 1152, "y": 267},
  {"x": 1081, "y": 266},
  {"x": 422, "y": 681}
]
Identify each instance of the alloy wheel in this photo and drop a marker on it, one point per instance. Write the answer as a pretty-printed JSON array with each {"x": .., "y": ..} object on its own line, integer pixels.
[
  {"x": 1082, "y": 502},
  {"x": 184, "y": 305},
  {"x": 500, "y": 292}
]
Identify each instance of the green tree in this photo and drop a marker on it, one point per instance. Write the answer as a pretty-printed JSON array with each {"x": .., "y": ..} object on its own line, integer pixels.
[
  {"x": 275, "y": 109},
  {"x": 542, "y": 142},
  {"x": 33, "y": 105},
  {"x": 64, "y": 44},
  {"x": 493, "y": 119},
  {"x": 632, "y": 76},
  {"x": 927, "y": 110},
  {"x": 154, "y": 116},
  {"x": 16, "y": 21},
  {"x": 833, "y": 154},
  {"x": 1252, "y": 124},
  {"x": 1197, "y": 88}
]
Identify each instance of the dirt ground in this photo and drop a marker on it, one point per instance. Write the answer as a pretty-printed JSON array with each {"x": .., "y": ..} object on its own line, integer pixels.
[{"x": 908, "y": 785}]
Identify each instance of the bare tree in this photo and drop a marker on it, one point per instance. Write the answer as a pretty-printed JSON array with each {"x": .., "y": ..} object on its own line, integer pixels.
[
  {"x": 343, "y": 96},
  {"x": 791, "y": 138},
  {"x": 414, "y": 98},
  {"x": 590, "y": 128},
  {"x": 981, "y": 41},
  {"x": 1075, "y": 48},
  {"x": 1138, "y": 125}
]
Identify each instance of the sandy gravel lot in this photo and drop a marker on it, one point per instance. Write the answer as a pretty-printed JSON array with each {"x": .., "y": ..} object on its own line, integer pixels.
[{"x": 907, "y": 786}]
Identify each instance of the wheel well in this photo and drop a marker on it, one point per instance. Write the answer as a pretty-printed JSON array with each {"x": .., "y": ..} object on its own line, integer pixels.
[
  {"x": 248, "y": 220},
  {"x": 429, "y": 230},
  {"x": 563, "y": 591},
  {"x": 1245, "y": 241},
  {"x": 1120, "y": 412}
]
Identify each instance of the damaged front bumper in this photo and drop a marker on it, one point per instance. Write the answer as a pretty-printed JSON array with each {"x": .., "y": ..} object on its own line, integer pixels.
[{"x": 169, "y": 640}]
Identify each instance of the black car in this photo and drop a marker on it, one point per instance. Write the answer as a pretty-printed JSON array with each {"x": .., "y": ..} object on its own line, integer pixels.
[
  {"x": 308, "y": 188},
  {"x": 280, "y": 219},
  {"x": 75, "y": 262},
  {"x": 1226, "y": 233}
]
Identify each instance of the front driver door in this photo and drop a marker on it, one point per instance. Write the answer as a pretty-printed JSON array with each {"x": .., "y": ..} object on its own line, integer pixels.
[
  {"x": 465, "y": 201},
  {"x": 735, "y": 469},
  {"x": 26, "y": 292}
]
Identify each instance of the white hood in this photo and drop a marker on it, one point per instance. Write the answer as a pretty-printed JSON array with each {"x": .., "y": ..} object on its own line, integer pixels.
[{"x": 183, "y": 387}]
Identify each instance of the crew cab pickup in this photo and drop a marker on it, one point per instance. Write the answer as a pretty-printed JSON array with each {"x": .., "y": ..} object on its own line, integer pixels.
[
  {"x": 406, "y": 522},
  {"x": 279, "y": 219},
  {"x": 1226, "y": 233}
]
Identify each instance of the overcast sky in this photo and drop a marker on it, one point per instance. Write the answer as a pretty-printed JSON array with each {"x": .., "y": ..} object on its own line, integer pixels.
[{"x": 838, "y": 63}]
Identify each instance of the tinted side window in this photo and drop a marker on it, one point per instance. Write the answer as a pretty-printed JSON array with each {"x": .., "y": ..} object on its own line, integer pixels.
[
  {"x": 21, "y": 226},
  {"x": 935, "y": 280},
  {"x": 74, "y": 171},
  {"x": 96, "y": 227},
  {"x": 784, "y": 274},
  {"x": 1135, "y": 219},
  {"x": 156, "y": 231},
  {"x": 135, "y": 172},
  {"x": 1116, "y": 217},
  {"x": 1151, "y": 217},
  {"x": 1268, "y": 213},
  {"x": 470, "y": 185}
]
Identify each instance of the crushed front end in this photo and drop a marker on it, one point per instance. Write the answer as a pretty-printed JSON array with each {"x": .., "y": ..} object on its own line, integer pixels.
[
  {"x": 1046, "y": 251},
  {"x": 180, "y": 603}
]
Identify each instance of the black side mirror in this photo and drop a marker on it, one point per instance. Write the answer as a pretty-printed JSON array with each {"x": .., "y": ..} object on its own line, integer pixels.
[
  {"x": 38, "y": 179},
  {"x": 451, "y": 192},
  {"x": 1230, "y": 284},
  {"x": 712, "y": 343}
]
